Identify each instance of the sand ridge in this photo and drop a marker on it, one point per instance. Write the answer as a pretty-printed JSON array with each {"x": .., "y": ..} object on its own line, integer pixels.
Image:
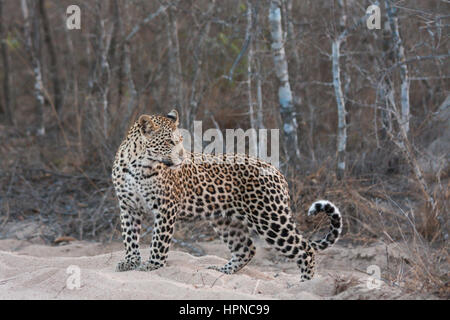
[{"x": 35, "y": 271}]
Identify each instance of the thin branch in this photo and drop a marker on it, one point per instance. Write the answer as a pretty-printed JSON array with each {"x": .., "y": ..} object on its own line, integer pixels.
[
  {"x": 147, "y": 19},
  {"x": 245, "y": 46}
]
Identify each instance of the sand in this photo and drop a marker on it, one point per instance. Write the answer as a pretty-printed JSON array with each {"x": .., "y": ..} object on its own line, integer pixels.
[{"x": 36, "y": 271}]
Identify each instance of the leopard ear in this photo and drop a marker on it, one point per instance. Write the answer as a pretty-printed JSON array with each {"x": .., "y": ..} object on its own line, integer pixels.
[
  {"x": 174, "y": 116},
  {"x": 147, "y": 125}
]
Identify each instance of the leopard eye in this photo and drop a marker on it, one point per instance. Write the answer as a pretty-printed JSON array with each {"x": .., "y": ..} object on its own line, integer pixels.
[{"x": 170, "y": 141}]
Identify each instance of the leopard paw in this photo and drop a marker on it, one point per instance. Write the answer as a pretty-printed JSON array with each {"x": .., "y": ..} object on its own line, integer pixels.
[
  {"x": 222, "y": 269},
  {"x": 149, "y": 266},
  {"x": 128, "y": 264}
]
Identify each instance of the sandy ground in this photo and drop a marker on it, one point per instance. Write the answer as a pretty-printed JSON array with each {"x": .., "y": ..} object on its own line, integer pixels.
[{"x": 36, "y": 271}]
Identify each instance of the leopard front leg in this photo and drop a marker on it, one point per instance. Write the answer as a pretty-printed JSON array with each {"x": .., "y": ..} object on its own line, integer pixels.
[
  {"x": 131, "y": 226},
  {"x": 161, "y": 238}
]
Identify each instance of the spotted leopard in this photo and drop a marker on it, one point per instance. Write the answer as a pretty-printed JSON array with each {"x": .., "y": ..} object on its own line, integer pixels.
[{"x": 153, "y": 173}]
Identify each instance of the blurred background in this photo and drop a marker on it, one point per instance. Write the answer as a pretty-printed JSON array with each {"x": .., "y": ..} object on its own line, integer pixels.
[{"x": 363, "y": 113}]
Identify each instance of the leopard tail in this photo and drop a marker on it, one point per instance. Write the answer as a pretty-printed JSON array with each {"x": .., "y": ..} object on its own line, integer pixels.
[{"x": 335, "y": 223}]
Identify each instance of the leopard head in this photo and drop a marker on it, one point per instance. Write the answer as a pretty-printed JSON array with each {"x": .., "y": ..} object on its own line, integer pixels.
[{"x": 162, "y": 140}]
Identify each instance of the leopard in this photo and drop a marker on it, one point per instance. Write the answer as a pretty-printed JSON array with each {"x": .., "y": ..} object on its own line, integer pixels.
[{"x": 239, "y": 195}]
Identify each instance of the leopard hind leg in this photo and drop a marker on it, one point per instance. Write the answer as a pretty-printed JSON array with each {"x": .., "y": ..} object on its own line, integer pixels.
[{"x": 236, "y": 235}]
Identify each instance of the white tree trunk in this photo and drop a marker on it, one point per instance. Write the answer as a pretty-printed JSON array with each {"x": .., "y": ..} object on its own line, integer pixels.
[
  {"x": 36, "y": 63},
  {"x": 284, "y": 91},
  {"x": 385, "y": 90},
  {"x": 337, "y": 84},
  {"x": 400, "y": 55},
  {"x": 340, "y": 101}
]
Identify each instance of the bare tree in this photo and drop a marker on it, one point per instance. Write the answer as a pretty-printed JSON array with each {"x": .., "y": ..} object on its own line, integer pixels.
[
  {"x": 385, "y": 88},
  {"x": 101, "y": 74},
  {"x": 116, "y": 48},
  {"x": 32, "y": 43},
  {"x": 258, "y": 70},
  {"x": 5, "y": 64},
  {"x": 124, "y": 70},
  {"x": 400, "y": 56},
  {"x": 199, "y": 53},
  {"x": 148, "y": 18},
  {"x": 340, "y": 102},
  {"x": 285, "y": 97},
  {"x": 126, "y": 58},
  {"x": 337, "y": 85},
  {"x": 248, "y": 31},
  {"x": 255, "y": 108},
  {"x": 53, "y": 56},
  {"x": 291, "y": 36},
  {"x": 175, "y": 85},
  {"x": 401, "y": 140}
]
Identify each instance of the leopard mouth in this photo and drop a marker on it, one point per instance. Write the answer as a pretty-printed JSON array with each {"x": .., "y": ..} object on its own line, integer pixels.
[
  {"x": 170, "y": 163},
  {"x": 167, "y": 162}
]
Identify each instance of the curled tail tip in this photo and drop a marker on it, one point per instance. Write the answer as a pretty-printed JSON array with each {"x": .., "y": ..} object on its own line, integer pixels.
[
  {"x": 323, "y": 206},
  {"x": 335, "y": 223}
]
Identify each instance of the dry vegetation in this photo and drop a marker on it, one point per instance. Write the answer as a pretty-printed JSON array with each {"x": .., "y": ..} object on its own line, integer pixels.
[{"x": 97, "y": 80}]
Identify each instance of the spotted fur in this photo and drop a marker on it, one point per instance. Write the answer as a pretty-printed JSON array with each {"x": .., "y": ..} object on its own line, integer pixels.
[{"x": 236, "y": 193}]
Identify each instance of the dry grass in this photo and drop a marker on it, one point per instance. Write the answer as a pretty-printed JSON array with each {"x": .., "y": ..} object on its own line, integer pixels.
[
  {"x": 343, "y": 283},
  {"x": 375, "y": 210}
]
